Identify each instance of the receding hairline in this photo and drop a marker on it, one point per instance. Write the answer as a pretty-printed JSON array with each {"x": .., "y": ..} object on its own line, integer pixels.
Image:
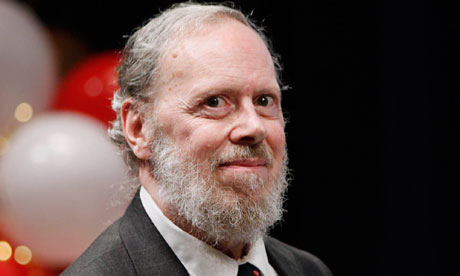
[{"x": 188, "y": 32}]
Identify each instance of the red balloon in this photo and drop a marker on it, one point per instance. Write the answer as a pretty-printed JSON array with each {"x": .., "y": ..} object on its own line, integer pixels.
[
  {"x": 89, "y": 87},
  {"x": 10, "y": 267}
]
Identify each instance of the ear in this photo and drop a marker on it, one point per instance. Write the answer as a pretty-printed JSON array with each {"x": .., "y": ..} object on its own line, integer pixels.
[{"x": 135, "y": 130}]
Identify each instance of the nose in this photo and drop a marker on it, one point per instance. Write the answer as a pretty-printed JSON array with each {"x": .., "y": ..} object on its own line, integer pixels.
[{"x": 249, "y": 128}]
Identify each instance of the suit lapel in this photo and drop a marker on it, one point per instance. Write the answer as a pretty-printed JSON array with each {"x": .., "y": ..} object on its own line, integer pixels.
[
  {"x": 283, "y": 261},
  {"x": 147, "y": 249},
  {"x": 151, "y": 255}
]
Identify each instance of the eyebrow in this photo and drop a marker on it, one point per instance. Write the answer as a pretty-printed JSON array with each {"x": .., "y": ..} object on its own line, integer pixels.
[{"x": 224, "y": 88}]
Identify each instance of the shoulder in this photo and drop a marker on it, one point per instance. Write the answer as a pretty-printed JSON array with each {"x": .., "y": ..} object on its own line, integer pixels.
[
  {"x": 283, "y": 256},
  {"x": 107, "y": 255}
]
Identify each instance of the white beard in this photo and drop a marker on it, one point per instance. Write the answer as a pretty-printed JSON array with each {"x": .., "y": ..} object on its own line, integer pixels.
[{"x": 193, "y": 192}]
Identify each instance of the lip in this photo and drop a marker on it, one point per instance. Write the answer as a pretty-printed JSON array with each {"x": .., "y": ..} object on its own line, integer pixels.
[{"x": 245, "y": 163}]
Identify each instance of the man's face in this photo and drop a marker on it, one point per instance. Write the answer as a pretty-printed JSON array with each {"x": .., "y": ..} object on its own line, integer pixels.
[{"x": 218, "y": 91}]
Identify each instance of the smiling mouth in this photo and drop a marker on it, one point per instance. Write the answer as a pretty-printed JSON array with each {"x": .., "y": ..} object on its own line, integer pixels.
[{"x": 245, "y": 163}]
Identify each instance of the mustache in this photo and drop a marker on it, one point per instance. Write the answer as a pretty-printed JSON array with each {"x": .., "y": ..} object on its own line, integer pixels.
[{"x": 239, "y": 152}]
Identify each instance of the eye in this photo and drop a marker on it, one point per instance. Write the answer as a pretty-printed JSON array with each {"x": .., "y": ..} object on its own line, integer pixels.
[
  {"x": 265, "y": 100},
  {"x": 215, "y": 107},
  {"x": 215, "y": 101}
]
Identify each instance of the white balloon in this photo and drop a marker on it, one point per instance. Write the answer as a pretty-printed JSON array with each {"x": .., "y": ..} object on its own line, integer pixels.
[
  {"x": 58, "y": 182},
  {"x": 27, "y": 62}
]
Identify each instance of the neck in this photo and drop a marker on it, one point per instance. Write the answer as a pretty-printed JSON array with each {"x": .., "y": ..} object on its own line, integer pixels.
[
  {"x": 234, "y": 249},
  {"x": 236, "y": 252}
]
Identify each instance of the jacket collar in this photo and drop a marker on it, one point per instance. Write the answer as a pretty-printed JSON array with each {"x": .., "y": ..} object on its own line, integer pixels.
[
  {"x": 281, "y": 259},
  {"x": 151, "y": 255},
  {"x": 147, "y": 249}
]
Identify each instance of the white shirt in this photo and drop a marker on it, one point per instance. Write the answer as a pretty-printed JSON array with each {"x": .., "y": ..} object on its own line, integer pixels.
[{"x": 199, "y": 258}]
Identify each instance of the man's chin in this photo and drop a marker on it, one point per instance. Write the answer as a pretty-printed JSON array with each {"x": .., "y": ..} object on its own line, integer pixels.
[{"x": 242, "y": 188}]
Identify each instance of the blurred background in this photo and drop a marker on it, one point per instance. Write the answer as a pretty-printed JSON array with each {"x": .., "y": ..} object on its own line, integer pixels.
[{"x": 372, "y": 135}]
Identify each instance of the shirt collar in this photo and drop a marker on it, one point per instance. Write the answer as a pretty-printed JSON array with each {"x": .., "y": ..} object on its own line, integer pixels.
[{"x": 198, "y": 257}]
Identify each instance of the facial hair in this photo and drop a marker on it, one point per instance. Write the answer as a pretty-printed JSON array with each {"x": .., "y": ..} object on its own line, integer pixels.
[{"x": 223, "y": 212}]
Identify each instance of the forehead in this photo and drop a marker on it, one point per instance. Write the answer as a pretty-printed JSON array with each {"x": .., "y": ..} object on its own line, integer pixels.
[{"x": 224, "y": 51}]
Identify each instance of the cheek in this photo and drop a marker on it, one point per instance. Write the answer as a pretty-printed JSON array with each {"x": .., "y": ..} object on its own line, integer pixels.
[
  {"x": 207, "y": 137},
  {"x": 175, "y": 124},
  {"x": 199, "y": 138},
  {"x": 277, "y": 140}
]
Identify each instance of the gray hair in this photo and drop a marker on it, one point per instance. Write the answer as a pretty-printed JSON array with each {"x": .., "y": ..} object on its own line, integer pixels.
[{"x": 144, "y": 50}]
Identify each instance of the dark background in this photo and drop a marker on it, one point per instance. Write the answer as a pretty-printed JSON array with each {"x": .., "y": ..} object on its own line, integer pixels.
[{"x": 373, "y": 114}]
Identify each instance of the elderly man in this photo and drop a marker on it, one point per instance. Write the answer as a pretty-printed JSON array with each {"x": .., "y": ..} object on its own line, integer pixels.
[{"x": 202, "y": 130}]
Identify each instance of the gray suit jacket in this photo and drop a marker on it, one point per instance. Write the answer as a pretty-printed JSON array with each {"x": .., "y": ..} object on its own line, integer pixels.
[{"x": 133, "y": 246}]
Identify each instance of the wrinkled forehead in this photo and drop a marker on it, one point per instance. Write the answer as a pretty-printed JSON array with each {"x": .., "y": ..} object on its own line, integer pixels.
[
  {"x": 215, "y": 39},
  {"x": 177, "y": 39}
]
